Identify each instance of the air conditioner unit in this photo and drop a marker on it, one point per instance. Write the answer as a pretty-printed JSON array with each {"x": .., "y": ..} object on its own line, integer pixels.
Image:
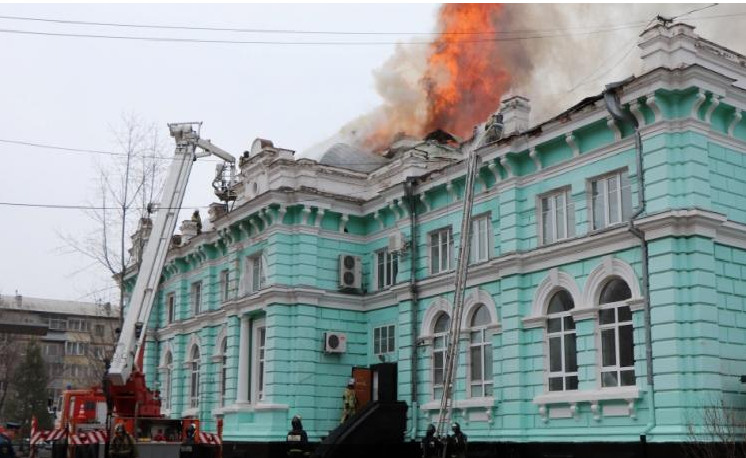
[
  {"x": 396, "y": 242},
  {"x": 335, "y": 342},
  {"x": 350, "y": 272}
]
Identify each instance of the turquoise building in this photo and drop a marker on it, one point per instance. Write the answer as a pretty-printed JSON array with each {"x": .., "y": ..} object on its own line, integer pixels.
[{"x": 556, "y": 345}]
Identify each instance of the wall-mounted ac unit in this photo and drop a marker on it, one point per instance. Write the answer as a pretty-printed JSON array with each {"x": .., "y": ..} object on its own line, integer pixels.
[
  {"x": 335, "y": 342},
  {"x": 350, "y": 272},
  {"x": 397, "y": 243}
]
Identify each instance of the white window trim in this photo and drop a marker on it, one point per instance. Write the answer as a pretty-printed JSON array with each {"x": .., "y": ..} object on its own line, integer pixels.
[
  {"x": 620, "y": 209},
  {"x": 193, "y": 401},
  {"x": 224, "y": 282},
  {"x": 448, "y": 230},
  {"x": 256, "y": 396},
  {"x": 165, "y": 372},
  {"x": 487, "y": 379},
  {"x": 388, "y": 327},
  {"x": 569, "y": 208},
  {"x": 599, "y": 344},
  {"x": 376, "y": 278},
  {"x": 196, "y": 305},
  {"x": 248, "y": 283},
  {"x": 561, "y": 334},
  {"x": 548, "y": 401},
  {"x": 473, "y": 250}
]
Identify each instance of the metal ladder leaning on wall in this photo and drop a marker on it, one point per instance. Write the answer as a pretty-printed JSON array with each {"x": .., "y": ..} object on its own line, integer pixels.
[{"x": 451, "y": 367}]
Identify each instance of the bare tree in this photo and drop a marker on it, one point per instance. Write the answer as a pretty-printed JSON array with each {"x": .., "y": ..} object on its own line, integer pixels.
[
  {"x": 717, "y": 430},
  {"x": 126, "y": 182}
]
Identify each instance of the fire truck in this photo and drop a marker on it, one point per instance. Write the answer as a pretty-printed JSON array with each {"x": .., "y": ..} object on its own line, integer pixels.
[{"x": 89, "y": 416}]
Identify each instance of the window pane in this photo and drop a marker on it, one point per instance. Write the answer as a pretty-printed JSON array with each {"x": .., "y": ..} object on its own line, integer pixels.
[
  {"x": 608, "y": 347},
  {"x": 628, "y": 378},
  {"x": 608, "y": 379},
  {"x": 572, "y": 382},
  {"x": 626, "y": 347},
  {"x": 475, "y": 337},
  {"x": 481, "y": 317},
  {"x": 476, "y": 391},
  {"x": 626, "y": 197},
  {"x": 571, "y": 356},
  {"x": 614, "y": 291},
  {"x": 569, "y": 323},
  {"x": 598, "y": 204},
  {"x": 613, "y": 196},
  {"x": 560, "y": 219},
  {"x": 444, "y": 250},
  {"x": 555, "y": 384},
  {"x": 488, "y": 363},
  {"x": 555, "y": 354},
  {"x": 561, "y": 302},
  {"x": 488, "y": 390},
  {"x": 625, "y": 314},
  {"x": 554, "y": 325},
  {"x": 546, "y": 220},
  {"x": 394, "y": 268},
  {"x": 606, "y": 316},
  {"x": 570, "y": 217},
  {"x": 391, "y": 343},
  {"x": 442, "y": 323},
  {"x": 434, "y": 254},
  {"x": 476, "y": 363}
]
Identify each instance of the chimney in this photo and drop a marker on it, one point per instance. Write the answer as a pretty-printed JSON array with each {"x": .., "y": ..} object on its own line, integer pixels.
[
  {"x": 515, "y": 110},
  {"x": 19, "y": 299},
  {"x": 217, "y": 210},
  {"x": 188, "y": 230}
]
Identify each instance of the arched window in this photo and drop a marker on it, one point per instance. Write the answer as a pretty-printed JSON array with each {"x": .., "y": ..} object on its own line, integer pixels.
[
  {"x": 194, "y": 386},
  {"x": 563, "y": 361},
  {"x": 615, "y": 326},
  {"x": 480, "y": 354},
  {"x": 440, "y": 342},
  {"x": 166, "y": 382},
  {"x": 223, "y": 371}
]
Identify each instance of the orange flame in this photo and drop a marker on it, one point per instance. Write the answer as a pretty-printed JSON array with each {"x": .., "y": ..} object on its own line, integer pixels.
[{"x": 465, "y": 78}]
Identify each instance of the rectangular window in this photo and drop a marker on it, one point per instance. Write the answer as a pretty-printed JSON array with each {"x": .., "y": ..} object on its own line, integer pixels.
[
  {"x": 441, "y": 250},
  {"x": 387, "y": 266},
  {"x": 617, "y": 347},
  {"x": 258, "y": 358},
  {"x": 170, "y": 308},
  {"x": 99, "y": 330},
  {"x": 76, "y": 348},
  {"x": 224, "y": 279},
  {"x": 480, "y": 238},
  {"x": 557, "y": 217},
  {"x": 439, "y": 357},
  {"x": 383, "y": 339},
  {"x": 197, "y": 297},
  {"x": 611, "y": 200},
  {"x": 256, "y": 276},
  {"x": 57, "y": 324}
]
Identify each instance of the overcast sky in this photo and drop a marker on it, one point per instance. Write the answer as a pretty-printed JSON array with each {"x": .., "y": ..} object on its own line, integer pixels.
[{"x": 71, "y": 92}]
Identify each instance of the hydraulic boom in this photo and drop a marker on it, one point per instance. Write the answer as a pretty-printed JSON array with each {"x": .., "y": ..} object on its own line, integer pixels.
[{"x": 189, "y": 147}]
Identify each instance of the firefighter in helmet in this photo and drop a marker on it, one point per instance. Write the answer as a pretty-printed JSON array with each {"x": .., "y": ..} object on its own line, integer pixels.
[
  {"x": 456, "y": 443},
  {"x": 122, "y": 445},
  {"x": 349, "y": 399}
]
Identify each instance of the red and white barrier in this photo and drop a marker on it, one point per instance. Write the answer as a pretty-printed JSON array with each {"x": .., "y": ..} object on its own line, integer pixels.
[{"x": 209, "y": 438}]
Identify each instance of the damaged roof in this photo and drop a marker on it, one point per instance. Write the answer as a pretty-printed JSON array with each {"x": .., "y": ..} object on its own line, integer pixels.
[{"x": 345, "y": 156}]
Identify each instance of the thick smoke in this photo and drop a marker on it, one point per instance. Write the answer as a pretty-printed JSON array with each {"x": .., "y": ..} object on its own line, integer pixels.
[{"x": 553, "y": 54}]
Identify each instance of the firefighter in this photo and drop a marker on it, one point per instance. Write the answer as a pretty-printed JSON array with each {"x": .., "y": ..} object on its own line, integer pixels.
[
  {"x": 430, "y": 444},
  {"x": 191, "y": 431},
  {"x": 297, "y": 439},
  {"x": 456, "y": 444},
  {"x": 122, "y": 444},
  {"x": 349, "y": 401},
  {"x": 197, "y": 219}
]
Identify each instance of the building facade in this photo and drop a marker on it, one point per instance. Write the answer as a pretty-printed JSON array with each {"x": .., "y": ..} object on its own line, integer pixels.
[
  {"x": 75, "y": 338},
  {"x": 555, "y": 343}
]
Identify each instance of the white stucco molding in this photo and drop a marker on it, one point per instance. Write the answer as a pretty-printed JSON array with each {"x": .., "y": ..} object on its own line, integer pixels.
[
  {"x": 476, "y": 298},
  {"x": 167, "y": 349},
  {"x": 437, "y": 306},
  {"x": 553, "y": 282},
  {"x": 610, "y": 267},
  {"x": 193, "y": 340},
  {"x": 558, "y": 399},
  {"x": 217, "y": 349}
]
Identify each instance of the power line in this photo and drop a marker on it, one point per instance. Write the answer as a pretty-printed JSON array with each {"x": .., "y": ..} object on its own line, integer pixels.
[
  {"x": 298, "y": 31},
  {"x": 318, "y": 43},
  {"x": 81, "y": 150}
]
